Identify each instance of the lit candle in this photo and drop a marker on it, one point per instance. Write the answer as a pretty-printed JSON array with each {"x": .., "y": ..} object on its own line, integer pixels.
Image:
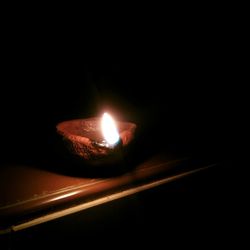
[
  {"x": 110, "y": 134},
  {"x": 95, "y": 139}
]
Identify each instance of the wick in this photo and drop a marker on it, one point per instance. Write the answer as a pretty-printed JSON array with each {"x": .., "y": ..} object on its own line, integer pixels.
[{"x": 105, "y": 144}]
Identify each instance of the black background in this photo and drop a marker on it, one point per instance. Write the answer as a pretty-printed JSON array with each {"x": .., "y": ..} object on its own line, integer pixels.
[
  {"x": 175, "y": 79},
  {"x": 175, "y": 76},
  {"x": 176, "y": 89}
]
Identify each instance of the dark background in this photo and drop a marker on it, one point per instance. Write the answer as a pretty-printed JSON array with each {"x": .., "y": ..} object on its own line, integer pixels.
[
  {"x": 177, "y": 90},
  {"x": 176, "y": 81}
]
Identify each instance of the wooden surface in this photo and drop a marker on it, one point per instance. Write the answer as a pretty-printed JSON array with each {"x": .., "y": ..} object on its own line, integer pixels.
[{"x": 28, "y": 192}]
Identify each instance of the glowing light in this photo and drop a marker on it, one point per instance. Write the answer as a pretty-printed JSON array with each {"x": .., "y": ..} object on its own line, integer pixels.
[{"x": 109, "y": 129}]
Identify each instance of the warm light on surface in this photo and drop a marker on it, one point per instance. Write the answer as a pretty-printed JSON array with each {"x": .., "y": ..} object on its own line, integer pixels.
[{"x": 109, "y": 129}]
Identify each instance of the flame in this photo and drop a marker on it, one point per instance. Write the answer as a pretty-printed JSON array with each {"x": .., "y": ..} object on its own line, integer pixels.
[{"x": 109, "y": 129}]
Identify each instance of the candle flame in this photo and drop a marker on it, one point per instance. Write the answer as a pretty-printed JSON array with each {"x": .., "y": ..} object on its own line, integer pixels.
[{"x": 109, "y": 129}]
